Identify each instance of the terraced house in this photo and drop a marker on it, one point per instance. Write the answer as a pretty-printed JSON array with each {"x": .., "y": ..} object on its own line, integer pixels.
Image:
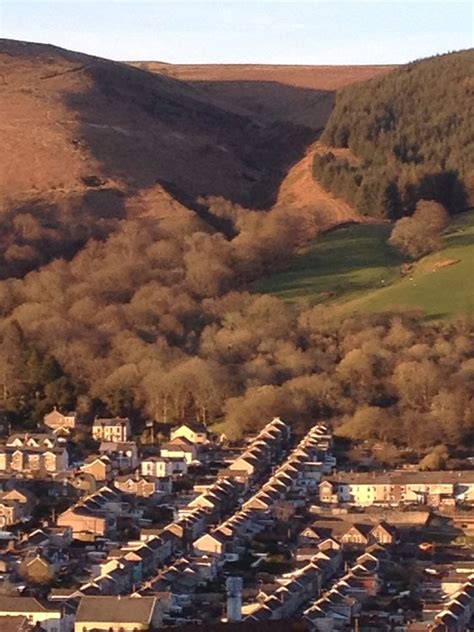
[
  {"x": 28, "y": 453},
  {"x": 394, "y": 488}
]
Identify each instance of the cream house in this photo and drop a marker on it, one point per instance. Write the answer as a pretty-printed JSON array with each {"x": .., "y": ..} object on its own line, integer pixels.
[
  {"x": 160, "y": 467},
  {"x": 393, "y": 488},
  {"x": 85, "y": 524},
  {"x": 56, "y": 460},
  {"x": 194, "y": 432}
]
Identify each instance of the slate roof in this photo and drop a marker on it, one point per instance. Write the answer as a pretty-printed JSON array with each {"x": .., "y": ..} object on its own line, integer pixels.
[{"x": 104, "y": 609}]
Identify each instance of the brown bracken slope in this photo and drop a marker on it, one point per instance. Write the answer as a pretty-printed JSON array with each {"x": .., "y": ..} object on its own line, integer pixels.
[
  {"x": 87, "y": 142},
  {"x": 302, "y": 95}
]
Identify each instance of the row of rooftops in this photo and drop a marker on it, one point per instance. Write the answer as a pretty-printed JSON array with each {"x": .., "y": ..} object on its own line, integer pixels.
[
  {"x": 91, "y": 608},
  {"x": 258, "y": 451},
  {"x": 95, "y": 504},
  {"x": 279, "y": 485},
  {"x": 291, "y": 585},
  {"x": 180, "y": 576},
  {"x": 272, "y": 432},
  {"x": 458, "y": 610},
  {"x": 119, "y": 573},
  {"x": 217, "y": 493},
  {"x": 336, "y": 528},
  {"x": 282, "y": 480},
  {"x": 365, "y": 565}
]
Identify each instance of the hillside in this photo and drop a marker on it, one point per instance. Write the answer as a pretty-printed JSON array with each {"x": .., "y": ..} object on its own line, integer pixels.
[
  {"x": 308, "y": 200},
  {"x": 88, "y": 140},
  {"x": 403, "y": 137},
  {"x": 303, "y": 95},
  {"x": 353, "y": 269}
]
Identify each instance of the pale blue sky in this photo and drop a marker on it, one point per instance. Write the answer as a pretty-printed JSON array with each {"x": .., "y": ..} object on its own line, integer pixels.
[{"x": 248, "y": 31}]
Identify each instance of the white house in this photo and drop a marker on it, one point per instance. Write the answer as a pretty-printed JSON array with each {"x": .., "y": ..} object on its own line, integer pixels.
[
  {"x": 160, "y": 467},
  {"x": 116, "y": 429}
]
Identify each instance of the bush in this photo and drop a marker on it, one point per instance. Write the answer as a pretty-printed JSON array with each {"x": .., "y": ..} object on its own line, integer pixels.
[
  {"x": 419, "y": 235},
  {"x": 435, "y": 460}
]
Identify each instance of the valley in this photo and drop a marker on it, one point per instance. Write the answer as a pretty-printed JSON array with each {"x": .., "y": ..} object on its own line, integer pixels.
[{"x": 236, "y": 319}]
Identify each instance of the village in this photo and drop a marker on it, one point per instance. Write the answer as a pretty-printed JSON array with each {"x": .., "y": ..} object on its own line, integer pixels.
[{"x": 196, "y": 532}]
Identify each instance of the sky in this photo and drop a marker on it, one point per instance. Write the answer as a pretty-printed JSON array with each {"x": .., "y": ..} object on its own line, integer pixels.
[{"x": 245, "y": 31}]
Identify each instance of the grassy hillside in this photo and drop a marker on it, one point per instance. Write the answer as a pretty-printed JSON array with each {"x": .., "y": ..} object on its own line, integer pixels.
[
  {"x": 354, "y": 268},
  {"x": 402, "y": 137}
]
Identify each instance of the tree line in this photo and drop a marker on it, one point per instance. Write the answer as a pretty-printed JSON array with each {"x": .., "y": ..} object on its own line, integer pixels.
[{"x": 403, "y": 137}]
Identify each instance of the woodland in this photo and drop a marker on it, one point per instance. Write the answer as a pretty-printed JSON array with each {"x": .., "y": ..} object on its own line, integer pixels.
[{"x": 406, "y": 136}]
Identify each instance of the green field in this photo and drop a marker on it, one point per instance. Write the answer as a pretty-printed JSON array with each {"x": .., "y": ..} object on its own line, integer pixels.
[{"x": 354, "y": 268}]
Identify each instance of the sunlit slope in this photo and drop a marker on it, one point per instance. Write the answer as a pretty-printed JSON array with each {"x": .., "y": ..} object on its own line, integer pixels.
[{"x": 354, "y": 268}]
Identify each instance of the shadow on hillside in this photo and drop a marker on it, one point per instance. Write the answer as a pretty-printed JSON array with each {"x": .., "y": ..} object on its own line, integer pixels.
[
  {"x": 145, "y": 129},
  {"x": 446, "y": 187},
  {"x": 40, "y": 231},
  {"x": 271, "y": 99}
]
